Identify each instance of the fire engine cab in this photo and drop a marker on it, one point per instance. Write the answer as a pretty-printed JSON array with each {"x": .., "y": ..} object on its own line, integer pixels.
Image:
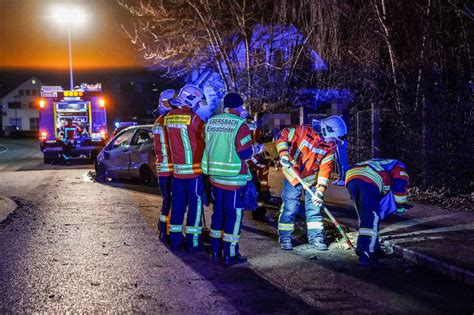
[{"x": 73, "y": 124}]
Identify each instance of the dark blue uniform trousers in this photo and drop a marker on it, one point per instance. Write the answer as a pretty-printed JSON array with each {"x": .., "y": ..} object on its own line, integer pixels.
[
  {"x": 164, "y": 183},
  {"x": 226, "y": 220},
  {"x": 366, "y": 198},
  {"x": 187, "y": 195}
]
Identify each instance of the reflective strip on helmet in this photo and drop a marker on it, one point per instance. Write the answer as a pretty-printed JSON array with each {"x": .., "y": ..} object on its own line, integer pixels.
[{"x": 314, "y": 225}]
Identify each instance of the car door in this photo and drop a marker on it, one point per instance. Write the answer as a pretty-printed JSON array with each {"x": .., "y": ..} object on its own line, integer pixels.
[
  {"x": 140, "y": 149},
  {"x": 118, "y": 154}
]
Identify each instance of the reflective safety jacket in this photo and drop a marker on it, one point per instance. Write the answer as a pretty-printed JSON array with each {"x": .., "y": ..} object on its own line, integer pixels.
[
  {"x": 226, "y": 135},
  {"x": 186, "y": 142},
  {"x": 164, "y": 167},
  {"x": 71, "y": 131},
  {"x": 387, "y": 175},
  {"x": 308, "y": 153}
]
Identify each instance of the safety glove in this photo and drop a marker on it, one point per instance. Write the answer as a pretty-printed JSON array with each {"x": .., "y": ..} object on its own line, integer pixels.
[
  {"x": 318, "y": 198},
  {"x": 285, "y": 161},
  {"x": 257, "y": 148}
]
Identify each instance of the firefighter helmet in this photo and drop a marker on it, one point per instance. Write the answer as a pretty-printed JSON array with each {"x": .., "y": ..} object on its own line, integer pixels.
[
  {"x": 190, "y": 96},
  {"x": 165, "y": 97},
  {"x": 164, "y": 105},
  {"x": 333, "y": 128}
]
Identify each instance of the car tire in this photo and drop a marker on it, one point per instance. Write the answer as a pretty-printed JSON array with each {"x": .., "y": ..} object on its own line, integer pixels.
[
  {"x": 146, "y": 176},
  {"x": 101, "y": 173}
]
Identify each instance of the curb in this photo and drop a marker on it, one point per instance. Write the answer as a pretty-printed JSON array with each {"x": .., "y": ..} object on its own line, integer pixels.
[{"x": 451, "y": 271}]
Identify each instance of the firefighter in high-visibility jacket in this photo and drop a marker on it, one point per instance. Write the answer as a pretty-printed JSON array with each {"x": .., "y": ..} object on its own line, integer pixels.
[
  {"x": 164, "y": 167},
  {"x": 228, "y": 145},
  {"x": 309, "y": 155},
  {"x": 378, "y": 187},
  {"x": 186, "y": 139}
]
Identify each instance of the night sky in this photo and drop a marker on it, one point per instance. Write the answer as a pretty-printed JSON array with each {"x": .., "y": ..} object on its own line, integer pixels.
[{"x": 30, "y": 39}]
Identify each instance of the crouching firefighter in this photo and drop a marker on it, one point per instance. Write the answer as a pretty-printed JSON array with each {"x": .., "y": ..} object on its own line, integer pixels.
[
  {"x": 228, "y": 145},
  {"x": 186, "y": 138},
  {"x": 164, "y": 167},
  {"x": 303, "y": 152},
  {"x": 378, "y": 187}
]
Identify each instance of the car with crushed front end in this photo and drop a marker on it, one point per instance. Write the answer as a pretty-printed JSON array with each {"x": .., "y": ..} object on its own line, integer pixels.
[{"x": 128, "y": 155}]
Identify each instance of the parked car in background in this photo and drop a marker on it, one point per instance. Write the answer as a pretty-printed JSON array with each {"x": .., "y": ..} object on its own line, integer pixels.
[{"x": 129, "y": 154}]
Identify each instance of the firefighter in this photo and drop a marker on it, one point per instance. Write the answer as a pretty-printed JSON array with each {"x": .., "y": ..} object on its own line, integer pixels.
[
  {"x": 378, "y": 187},
  {"x": 69, "y": 132},
  {"x": 186, "y": 139},
  {"x": 228, "y": 146},
  {"x": 304, "y": 152},
  {"x": 164, "y": 167},
  {"x": 260, "y": 168}
]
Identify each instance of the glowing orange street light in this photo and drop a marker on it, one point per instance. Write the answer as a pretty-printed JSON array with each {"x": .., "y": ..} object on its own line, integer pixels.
[
  {"x": 102, "y": 103},
  {"x": 42, "y": 104}
]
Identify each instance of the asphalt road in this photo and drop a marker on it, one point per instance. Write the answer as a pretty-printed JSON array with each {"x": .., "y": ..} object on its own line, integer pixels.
[{"x": 74, "y": 245}]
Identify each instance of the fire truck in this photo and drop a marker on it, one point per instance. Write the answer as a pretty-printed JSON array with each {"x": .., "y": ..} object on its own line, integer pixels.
[{"x": 72, "y": 124}]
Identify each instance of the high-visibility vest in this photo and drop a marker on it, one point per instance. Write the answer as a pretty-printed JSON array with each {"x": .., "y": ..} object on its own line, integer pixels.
[{"x": 220, "y": 159}]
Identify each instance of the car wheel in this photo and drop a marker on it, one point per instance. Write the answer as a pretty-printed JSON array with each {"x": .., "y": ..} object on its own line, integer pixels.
[
  {"x": 146, "y": 176},
  {"x": 101, "y": 173}
]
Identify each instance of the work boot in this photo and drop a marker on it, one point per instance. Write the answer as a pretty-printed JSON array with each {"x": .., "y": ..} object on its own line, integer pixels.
[
  {"x": 234, "y": 260},
  {"x": 318, "y": 243},
  {"x": 215, "y": 257},
  {"x": 369, "y": 260},
  {"x": 286, "y": 244}
]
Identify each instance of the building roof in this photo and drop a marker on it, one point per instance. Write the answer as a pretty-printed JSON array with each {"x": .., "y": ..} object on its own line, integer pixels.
[{"x": 11, "y": 82}]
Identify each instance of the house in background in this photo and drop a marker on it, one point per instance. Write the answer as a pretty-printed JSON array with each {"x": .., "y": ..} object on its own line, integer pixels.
[
  {"x": 19, "y": 108},
  {"x": 274, "y": 45}
]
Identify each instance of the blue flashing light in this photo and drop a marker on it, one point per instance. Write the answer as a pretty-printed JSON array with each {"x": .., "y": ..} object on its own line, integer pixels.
[{"x": 117, "y": 124}]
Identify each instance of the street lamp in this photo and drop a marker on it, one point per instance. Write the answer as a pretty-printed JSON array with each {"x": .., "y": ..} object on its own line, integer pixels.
[{"x": 69, "y": 16}]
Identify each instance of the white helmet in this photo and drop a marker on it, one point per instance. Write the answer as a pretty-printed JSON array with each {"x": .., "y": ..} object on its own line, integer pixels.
[
  {"x": 189, "y": 96},
  {"x": 332, "y": 128},
  {"x": 165, "y": 97}
]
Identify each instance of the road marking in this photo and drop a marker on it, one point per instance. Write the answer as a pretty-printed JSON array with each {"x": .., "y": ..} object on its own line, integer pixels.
[
  {"x": 413, "y": 222},
  {"x": 454, "y": 228},
  {"x": 4, "y": 150}
]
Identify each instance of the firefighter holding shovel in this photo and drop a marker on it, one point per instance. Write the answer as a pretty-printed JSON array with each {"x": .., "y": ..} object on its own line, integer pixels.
[{"x": 308, "y": 156}]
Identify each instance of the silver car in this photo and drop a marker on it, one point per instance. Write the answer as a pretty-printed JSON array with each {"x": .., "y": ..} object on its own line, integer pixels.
[{"x": 129, "y": 154}]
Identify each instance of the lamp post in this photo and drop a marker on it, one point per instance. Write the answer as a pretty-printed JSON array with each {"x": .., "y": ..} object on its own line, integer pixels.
[
  {"x": 69, "y": 16},
  {"x": 70, "y": 56}
]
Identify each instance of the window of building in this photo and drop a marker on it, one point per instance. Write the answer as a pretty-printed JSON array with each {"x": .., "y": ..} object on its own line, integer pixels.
[
  {"x": 34, "y": 123},
  {"x": 21, "y": 92},
  {"x": 27, "y": 92},
  {"x": 14, "y": 105},
  {"x": 32, "y": 105},
  {"x": 33, "y": 92},
  {"x": 15, "y": 122}
]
